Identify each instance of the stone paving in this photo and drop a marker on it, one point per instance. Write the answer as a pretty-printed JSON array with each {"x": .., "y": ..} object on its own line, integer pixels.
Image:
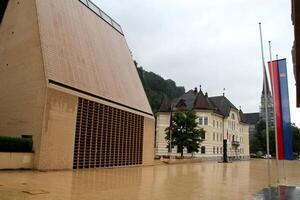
[{"x": 206, "y": 180}]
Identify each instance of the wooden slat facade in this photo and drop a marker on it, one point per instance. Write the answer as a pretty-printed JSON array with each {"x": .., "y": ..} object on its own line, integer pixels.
[{"x": 107, "y": 136}]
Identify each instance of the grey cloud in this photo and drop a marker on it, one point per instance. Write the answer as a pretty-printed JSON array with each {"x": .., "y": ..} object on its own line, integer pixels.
[{"x": 213, "y": 43}]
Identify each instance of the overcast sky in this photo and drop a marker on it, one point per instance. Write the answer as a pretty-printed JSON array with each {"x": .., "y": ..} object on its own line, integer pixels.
[{"x": 213, "y": 43}]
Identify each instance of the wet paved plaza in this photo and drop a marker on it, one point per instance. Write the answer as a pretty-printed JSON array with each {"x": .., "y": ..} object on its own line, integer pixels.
[{"x": 206, "y": 180}]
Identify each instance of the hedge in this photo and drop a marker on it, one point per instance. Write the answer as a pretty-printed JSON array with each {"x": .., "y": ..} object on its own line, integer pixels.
[{"x": 15, "y": 144}]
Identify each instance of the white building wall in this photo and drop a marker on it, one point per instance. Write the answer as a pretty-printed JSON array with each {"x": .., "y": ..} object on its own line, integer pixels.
[{"x": 216, "y": 130}]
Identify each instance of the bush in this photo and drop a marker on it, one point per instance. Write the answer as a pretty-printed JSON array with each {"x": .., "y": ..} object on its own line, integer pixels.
[{"x": 14, "y": 144}]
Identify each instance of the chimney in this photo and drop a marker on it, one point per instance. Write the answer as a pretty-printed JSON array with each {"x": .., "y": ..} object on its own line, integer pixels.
[{"x": 206, "y": 94}]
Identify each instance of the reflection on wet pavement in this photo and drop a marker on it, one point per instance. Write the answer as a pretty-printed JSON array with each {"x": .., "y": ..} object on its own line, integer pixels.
[
  {"x": 207, "y": 180},
  {"x": 281, "y": 193}
]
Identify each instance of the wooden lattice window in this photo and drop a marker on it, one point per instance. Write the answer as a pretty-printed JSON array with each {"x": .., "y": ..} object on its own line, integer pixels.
[{"x": 107, "y": 137}]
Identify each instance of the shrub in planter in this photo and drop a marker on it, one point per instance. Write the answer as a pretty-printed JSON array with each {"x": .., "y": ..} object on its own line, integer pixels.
[{"x": 15, "y": 144}]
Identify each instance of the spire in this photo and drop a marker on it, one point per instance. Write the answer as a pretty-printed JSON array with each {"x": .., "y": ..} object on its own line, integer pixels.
[
  {"x": 201, "y": 101},
  {"x": 196, "y": 90}
]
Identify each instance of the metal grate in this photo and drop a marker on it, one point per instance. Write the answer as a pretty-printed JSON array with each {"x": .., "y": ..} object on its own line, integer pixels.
[{"x": 107, "y": 136}]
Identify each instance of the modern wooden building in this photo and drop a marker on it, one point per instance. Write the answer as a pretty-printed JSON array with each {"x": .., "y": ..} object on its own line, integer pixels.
[{"x": 68, "y": 80}]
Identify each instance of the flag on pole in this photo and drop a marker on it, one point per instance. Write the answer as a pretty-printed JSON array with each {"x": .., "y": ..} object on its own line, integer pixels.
[
  {"x": 282, "y": 110},
  {"x": 285, "y": 110}
]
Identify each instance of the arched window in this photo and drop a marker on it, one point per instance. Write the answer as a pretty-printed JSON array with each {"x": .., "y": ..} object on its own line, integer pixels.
[{"x": 203, "y": 150}]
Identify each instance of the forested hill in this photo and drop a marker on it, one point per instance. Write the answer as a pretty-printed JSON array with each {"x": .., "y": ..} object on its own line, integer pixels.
[{"x": 156, "y": 88}]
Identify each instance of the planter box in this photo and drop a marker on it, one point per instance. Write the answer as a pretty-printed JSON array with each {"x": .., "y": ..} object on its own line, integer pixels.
[{"x": 9, "y": 160}]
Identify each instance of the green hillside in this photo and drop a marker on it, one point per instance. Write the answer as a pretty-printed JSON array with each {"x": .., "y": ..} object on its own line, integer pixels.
[{"x": 157, "y": 87}]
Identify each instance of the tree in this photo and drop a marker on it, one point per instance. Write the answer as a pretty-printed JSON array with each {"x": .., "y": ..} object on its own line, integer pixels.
[
  {"x": 157, "y": 87},
  {"x": 185, "y": 132},
  {"x": 258, "y": 143},
  {"x": 296, "y": 139}
]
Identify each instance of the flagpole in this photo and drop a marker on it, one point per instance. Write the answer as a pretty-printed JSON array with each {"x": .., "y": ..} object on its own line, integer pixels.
[
  {"x": 266, "y": 105},
  {"x": 170, "y": 131},
  {"x": 274, "y": 107}
]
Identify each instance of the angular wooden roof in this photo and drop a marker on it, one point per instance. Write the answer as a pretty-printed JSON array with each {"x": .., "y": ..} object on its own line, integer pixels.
[{"x": 82, "y": 51}]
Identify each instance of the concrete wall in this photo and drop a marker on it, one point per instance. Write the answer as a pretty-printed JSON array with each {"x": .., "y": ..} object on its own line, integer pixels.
[
  {"x": 16, "y": 160},
  {"x": 148, "y": 147},
  {"x": 58, "y": 136},
  {"x": 22, "y": 78}
]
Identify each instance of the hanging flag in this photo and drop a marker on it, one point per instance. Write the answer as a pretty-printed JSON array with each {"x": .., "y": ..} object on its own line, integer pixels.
[
  {"x": 285, "y": 110},
  {"x": 274, "y": 76}
]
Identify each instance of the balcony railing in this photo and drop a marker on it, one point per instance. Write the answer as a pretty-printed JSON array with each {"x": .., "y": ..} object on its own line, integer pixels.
[
  {"x": 235, "y": 143},
  {"x": 102, "y": 15}
]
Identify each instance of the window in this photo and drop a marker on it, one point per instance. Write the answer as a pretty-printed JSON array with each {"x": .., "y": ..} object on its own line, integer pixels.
[
  {"x": 214, "y": 136},
  {"x": 203, "y": 136},
  {"x": 221, "y": 150},
  {"x": 217, "y": 136},
  {"x": 232, "y": 116},
  {"x": 203, "y": 150},
  {"x": 217, "y": 124},
  {"x": 217, "y": 150},
  {"x": 214, "y": 150},
  {"x": 205, "y": 120},
  {"x": 201, "y": 120},
  {"x": 214, "y": 123}
]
